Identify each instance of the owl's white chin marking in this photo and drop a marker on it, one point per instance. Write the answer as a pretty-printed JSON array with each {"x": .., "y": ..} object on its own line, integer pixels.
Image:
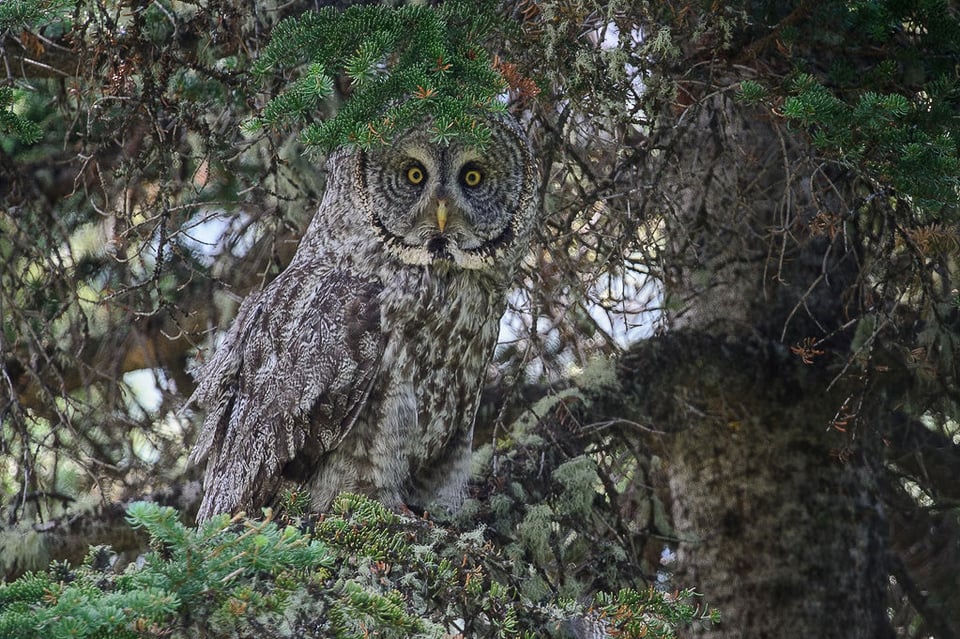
[
  {"x": 431, "y": 237},
  {"x": 426, "y": 245},
  {"x": 440, "y": 251}
]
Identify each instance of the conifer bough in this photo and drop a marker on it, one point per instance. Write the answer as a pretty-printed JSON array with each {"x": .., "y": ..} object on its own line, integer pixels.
[{"x": 403, "y": 65}]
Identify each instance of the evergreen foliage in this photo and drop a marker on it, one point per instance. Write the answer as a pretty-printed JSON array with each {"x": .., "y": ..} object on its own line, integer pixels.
[
  {"x": 22, "y": 13},
  {"x": 17, "y": 126},
  {"x": 402, "y": 65},
  {"x": 359, "y": 571},
  {"x": 890, "y": 112}
]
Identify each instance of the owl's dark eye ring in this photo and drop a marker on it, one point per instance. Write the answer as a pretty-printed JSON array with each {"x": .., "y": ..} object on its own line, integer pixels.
[
  {"x": 471, "y": 176},
  {"x": 416, "y": 174}
]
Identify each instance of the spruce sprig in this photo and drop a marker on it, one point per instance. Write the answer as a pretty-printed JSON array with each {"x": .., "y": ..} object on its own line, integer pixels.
[
  {"x": 401, "y": 66},
  {"x": 887, "y": 133},
  {"x": 26, "y": 13},
  {"x": 220, "y": 570},
  {"x": 19, "y": 127},
  {"x": 891, "y": 115}
]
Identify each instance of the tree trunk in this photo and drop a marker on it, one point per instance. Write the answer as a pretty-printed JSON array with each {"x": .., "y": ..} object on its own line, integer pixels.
[
  {"x": 775, "y": 505},
  {"x": 780, "y": 529}
]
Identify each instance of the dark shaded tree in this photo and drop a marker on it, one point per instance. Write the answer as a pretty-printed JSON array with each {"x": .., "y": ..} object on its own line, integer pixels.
[{"x": 770, "y": 188}]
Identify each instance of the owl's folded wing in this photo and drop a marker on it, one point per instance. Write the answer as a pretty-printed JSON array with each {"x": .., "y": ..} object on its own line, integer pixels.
[{"x": 288, "y": 380}]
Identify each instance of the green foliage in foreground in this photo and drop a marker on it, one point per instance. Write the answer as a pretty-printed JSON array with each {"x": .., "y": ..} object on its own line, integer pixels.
[{"x": 361, "y": 570}]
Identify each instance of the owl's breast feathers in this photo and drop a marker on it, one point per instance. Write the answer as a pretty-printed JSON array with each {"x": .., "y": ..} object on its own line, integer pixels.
[
  {"x": 287, "y": 383},
  {"x": 332, "y": 377},
  {"x": 411, "y": 443}
]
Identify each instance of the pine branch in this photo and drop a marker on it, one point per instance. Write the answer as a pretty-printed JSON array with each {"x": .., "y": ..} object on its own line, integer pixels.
[
  {"x": 403, "y": 65},
  {"x": 359, "y": 570},
  {"x": 17, "y": 126},
  {"x": 24, "y": 13}
]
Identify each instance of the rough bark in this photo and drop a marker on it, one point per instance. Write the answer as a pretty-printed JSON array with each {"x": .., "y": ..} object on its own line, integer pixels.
[
  {"x": 777, "y": 517},
  {"x": 776, "y": 511}
]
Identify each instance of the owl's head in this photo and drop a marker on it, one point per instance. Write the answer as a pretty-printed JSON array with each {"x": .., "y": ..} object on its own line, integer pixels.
[{"x": 433, "y": 203}]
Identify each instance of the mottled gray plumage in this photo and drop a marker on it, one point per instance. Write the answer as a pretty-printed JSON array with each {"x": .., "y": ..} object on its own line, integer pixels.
[{"x": 359, "y": 367}]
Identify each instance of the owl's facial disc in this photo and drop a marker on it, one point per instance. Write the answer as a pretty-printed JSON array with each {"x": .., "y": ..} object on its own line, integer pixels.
[{"x": 432, "y": 203}]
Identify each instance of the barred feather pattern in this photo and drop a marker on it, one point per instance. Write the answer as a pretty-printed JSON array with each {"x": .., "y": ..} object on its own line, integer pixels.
[{"x": 359, "y": 367}]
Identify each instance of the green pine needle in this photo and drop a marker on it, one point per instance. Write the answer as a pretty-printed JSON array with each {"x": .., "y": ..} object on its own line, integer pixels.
[
  {"x": 13, "y": 124},
  {"x": 402, "y": 66}
]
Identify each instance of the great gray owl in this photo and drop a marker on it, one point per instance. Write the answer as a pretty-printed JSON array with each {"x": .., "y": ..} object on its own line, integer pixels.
[{"x": 359, "y": 367}]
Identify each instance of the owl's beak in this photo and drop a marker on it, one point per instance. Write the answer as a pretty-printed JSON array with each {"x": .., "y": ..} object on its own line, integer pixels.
[{"x": 441, "y": 214}]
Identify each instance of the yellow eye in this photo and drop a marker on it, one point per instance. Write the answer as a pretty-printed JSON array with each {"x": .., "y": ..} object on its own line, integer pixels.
[
  {"x": 472, "y": 177},
  {"x": 415, "y": 174}
]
